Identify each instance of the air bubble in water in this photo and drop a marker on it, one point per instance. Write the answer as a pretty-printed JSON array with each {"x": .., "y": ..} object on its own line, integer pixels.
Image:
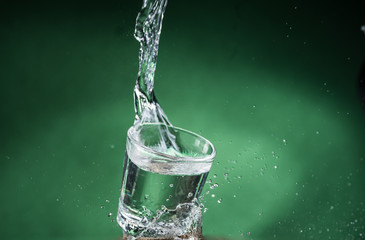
[
  {"x": 213, "y": 195},
  {"x": 234, "y": 195},
  {"x": 171, "y": 185},
  {"x": 317, "y": 132},
  {"x": 107, "y": 201},
  {"x": 190, "y": 195},
  {"x": 275, "y": 167},
  {"x": 144, "y": 220},
  {"x": 219, "y": 200},
  {"x": 110, "y": 214},
  {"x": 215, "y": 175},
  {"x": 102, "y": 206}
]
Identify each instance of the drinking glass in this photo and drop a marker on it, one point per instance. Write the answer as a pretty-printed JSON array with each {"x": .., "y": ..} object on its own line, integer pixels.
[{"x": 165, "y": 169}]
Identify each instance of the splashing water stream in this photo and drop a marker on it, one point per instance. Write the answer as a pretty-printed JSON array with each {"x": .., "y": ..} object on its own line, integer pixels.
[
  {"x": 147, "y": 32},
  {"x": 147, "y": 208}
]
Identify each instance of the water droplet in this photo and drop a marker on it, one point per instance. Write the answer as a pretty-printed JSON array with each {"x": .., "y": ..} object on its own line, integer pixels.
[
  {"x": 226, "y": 176},
  {"x": 275, "y": 167},
  {"x": 110, "y": 214},
  {"x": 213, "y": 195},
  {"x": 219, "y": 200},
  {"x": 171, "y": 185}
]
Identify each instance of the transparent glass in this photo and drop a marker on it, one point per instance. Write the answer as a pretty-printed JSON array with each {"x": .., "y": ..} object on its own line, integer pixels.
[{"x": 161, "y": 186}]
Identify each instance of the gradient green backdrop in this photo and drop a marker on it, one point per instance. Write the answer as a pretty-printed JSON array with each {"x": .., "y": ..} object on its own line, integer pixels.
[{"x": 273, "y": 84}]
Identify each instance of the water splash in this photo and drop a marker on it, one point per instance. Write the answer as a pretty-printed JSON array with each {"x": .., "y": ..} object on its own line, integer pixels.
[
  {"x": 147, "y": 109},
  {"x": 147, "y": 33}
]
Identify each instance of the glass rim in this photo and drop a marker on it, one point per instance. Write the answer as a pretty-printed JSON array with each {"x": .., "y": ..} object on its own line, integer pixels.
[{"x": 208, "y": 158}]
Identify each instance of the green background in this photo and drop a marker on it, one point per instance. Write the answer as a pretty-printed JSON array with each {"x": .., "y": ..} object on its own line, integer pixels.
[{"x": 273, "y": 84}]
